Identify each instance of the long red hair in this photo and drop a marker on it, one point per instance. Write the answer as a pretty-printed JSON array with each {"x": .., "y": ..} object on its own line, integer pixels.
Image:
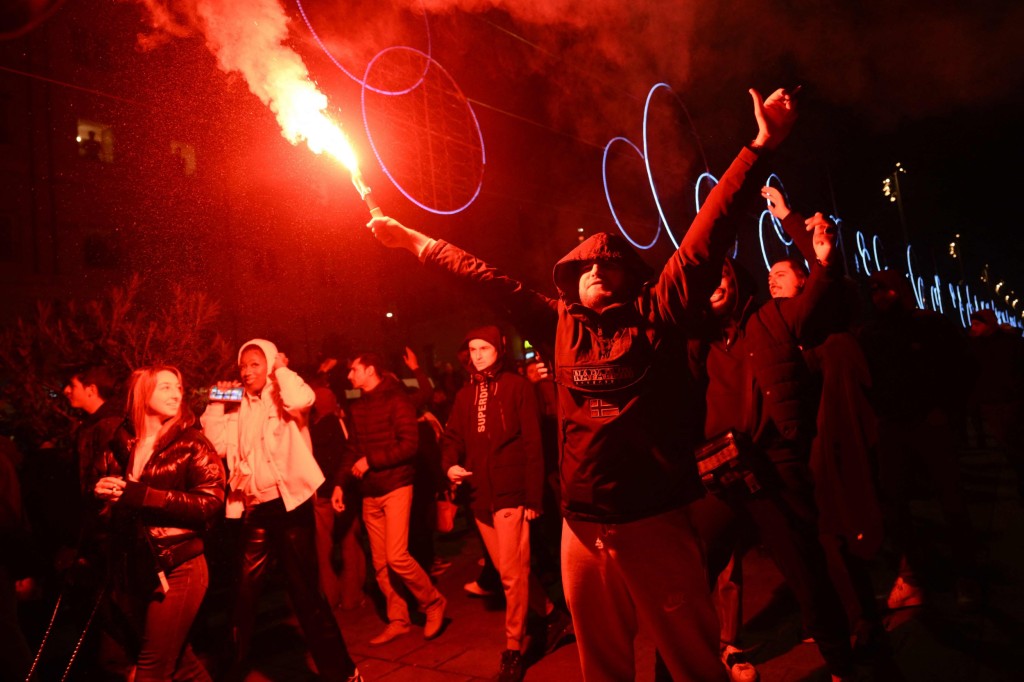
[{"x": 140, "y": 389}]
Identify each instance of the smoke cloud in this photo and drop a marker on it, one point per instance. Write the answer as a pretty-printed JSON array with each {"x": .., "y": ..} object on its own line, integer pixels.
[
  {"x": 249, "y": 37},
  {"x": 889, "y": 62}
]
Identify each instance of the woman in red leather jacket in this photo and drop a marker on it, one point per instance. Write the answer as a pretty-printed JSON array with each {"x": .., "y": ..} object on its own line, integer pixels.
[{"x": 163, "y": 483}]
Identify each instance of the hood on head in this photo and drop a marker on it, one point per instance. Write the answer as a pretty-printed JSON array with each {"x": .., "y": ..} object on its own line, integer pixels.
[
  {"x": 268, "y": 348},
  {"x": 491, "y": 334},
  {"x": 603, "y": 246}
]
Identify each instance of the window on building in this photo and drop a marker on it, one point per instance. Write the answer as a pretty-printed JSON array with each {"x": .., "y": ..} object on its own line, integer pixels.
[
  {"x": 95, "y": 141},
  {"x": 185, "y": 155}
]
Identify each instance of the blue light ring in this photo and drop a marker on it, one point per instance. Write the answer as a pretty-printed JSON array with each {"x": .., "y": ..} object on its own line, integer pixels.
[
  {"x": 608, "y": 196},
  {"x": 362, "y": 83},
  {"x": 647, "y": 158},
  {"x": 376, "y": 152}
]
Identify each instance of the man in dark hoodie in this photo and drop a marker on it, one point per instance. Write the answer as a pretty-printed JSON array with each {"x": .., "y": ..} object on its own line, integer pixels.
[
  {"x": 492, "y": 443},
  {"x": 381, "y": 453},
  {"x": 616, "y": 340}
]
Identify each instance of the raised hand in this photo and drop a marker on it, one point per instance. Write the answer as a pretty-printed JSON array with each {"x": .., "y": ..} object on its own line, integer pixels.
[
  {"x": 777, "y": 205},
  {"x": 824, "y": 236},
  {"x": 775, "y": 116},
  {"x": 410, "y": 359},
  {"x": 395, "y": 235}
]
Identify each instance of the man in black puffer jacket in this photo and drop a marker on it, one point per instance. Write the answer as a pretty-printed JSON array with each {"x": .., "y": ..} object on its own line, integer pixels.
[{"x": 382, "y": 454}]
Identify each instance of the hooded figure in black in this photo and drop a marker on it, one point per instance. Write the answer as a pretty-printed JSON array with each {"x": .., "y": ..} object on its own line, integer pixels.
[
  {"x": 492, "y": 445},
  {"x": 759, "y": 387},
  {"x": 494, "y": 431}
]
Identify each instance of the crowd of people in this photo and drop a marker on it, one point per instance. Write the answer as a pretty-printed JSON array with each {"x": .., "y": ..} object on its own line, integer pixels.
[{"x": 671, "y": 421}]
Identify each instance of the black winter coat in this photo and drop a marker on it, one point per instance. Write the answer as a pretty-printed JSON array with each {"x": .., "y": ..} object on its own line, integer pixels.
[
  {"x": 179, "y": 493},
  {"x": 384, "y": 430},
  {"x": 502, "y": 447},
  {"x": 758, "y": 381}
]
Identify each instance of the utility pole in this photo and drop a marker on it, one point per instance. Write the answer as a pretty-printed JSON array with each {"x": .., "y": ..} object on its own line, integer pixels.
[{"x": 891, "y": 190}]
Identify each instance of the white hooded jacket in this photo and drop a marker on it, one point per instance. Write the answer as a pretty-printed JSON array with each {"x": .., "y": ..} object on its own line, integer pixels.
[{"x": 285, "y": 433}]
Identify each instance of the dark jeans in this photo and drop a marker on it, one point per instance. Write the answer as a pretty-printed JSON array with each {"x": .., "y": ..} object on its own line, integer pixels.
[
  {"x": 163, "y": 621},
  {"x": 788, "y": 527},
  {"x": 785, "y": 520},
  {"x": 290, "y": 537}
]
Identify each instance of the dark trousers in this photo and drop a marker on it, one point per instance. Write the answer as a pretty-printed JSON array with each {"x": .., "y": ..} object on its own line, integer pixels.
[
  {"x": 785, "y": 519},
  {"x": 291, "y": 538},
  {"x": 787, "y": 524},
  {"x": 164, "y": 620}
]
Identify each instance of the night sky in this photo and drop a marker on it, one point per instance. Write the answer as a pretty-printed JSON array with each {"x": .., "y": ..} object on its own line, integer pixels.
[{"x": 935, "y": 86}]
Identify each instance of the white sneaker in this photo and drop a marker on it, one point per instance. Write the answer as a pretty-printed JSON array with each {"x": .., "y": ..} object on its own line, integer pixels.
[
  {"x": 473, "y": 589},
  {"x": 394, "y": 629},
  {"x": 739, "y": 669}
]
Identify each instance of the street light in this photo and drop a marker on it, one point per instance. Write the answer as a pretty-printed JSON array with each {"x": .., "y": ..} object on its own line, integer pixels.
[
  {"x": 956, "y": 253},
  {"x": 891, "y": 190}
]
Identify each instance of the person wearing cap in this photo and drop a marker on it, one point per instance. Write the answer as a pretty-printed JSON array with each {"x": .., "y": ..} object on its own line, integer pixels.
[
  {"x": 272, "y": 480},
  {"x": 616, "y": 340},
  {"x": 492, "y": 446}
]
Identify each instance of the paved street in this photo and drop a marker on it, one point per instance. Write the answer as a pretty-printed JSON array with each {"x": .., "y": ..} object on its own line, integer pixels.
[{"x": 934, "y": 643}]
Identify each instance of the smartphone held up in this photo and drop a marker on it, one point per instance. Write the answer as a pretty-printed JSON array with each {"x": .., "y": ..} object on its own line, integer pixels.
[{"x": 232, "y": 394}]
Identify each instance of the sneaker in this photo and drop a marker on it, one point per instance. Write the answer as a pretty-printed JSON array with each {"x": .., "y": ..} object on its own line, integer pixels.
[
  {"x": 435, "y": 618},
  {"x": 394, "y": 629},
  {"x": 904, "y": 595},
  {"x": 439, "y": 566},
  {"x": 557, "y": 629},
  {"x": 740, "y": 670},
  {"x": 473, "y": 589},
  {"x": 355, "y": 677},
  {"x": 512, "y": 668}
]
